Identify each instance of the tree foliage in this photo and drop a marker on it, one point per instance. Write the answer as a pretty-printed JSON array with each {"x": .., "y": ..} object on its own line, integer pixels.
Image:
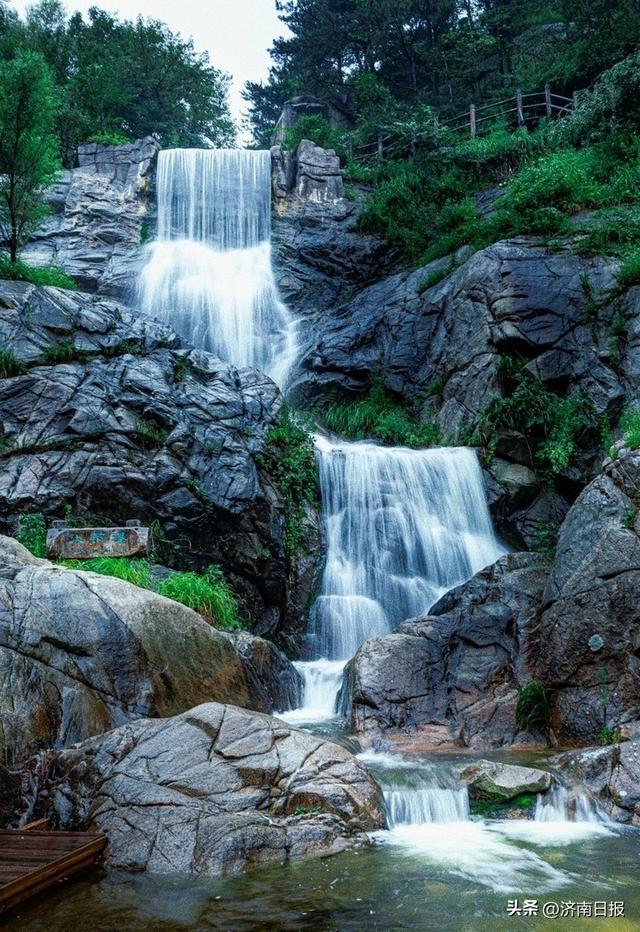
[
  {"x": 28, "y": 145},
  {"x": 441, "y": 53},
  {"x": 121, "y": 79}
]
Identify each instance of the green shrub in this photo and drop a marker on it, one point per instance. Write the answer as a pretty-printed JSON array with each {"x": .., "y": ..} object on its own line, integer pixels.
[
  {"x": 551, "y": 423},
  {"x": 32, "y": 533},
  {"x": 48, "y": 275},
  {"x": 289, "y": 458},
  {"x": 317, "y": 129},
  {"x": 109, "y": 139},
  {"x": 378, "y": 416},
  {"x": 532, "y": 707},
  {"x": 10, "y": 365},
  {"x": 612, "y": 104},
  {"x": 207, "y": 593},
  {"x": 629, "y": 272}
]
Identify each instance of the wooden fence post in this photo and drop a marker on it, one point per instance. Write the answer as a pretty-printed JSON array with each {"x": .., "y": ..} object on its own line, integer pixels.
[
  {"x": 547, "y": 99},
  {"x": 519, "y": 107},
  {"x": 472, "y": 120}
]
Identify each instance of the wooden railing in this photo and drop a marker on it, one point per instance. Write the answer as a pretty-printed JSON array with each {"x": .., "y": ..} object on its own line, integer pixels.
[{"x": 517, "y": 110}]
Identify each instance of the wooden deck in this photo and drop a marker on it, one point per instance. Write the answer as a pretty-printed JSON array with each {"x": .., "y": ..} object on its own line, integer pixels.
[{"x": 33, "y": 859}]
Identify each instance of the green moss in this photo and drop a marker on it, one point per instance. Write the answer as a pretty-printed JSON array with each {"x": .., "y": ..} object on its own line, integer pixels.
[
  {"x": 48, "y": 275},
  {"x": 289, "y": 458},
  {"x": 379, "y": 416},
  {"x": 498, "y": 809}
]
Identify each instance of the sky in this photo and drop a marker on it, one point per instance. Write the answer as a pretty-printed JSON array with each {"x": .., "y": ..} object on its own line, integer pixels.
[{"x": 235, "y": 33}]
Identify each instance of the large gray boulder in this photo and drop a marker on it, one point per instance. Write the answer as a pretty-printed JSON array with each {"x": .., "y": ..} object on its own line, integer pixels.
[
  {"x": 489, "y": 779},
  {"x": 587, "y": 644},
  {"x": 97, "y": 215},
  {"x": 81, "y": 653},
  {"x": 612, "y": 774},
  {"x": 213, "y": 791},
  {"x": 116, "y": 418},
  {"x": 451, "y": 677}
]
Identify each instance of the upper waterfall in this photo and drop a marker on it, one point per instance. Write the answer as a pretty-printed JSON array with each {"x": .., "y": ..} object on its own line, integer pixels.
[{"x": 209, "y": 272}]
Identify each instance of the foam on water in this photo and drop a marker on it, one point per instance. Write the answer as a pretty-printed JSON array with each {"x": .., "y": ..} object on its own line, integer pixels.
[{"x": 209, "y": 273}]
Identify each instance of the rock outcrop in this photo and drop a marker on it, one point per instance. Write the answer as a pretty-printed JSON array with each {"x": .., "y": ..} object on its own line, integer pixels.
[
  {"x": 212, "y": 792},
  {"x": 82, "y": 653},
  {"x": 488, "y": 779},
  {"x": 451, "y": 677},
  {"x": 612, "y": 774},
  {"x": 108, "y": 413},
  {"x": 99, "y": 213},
  {"x": 442, "y": 349},
  {"x": 586, "y": 649}
]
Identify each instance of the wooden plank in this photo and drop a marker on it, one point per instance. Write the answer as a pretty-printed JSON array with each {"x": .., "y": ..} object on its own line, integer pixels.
[
  {"x": 36, "y": 825},
  {"x": 32, "y": 860}
]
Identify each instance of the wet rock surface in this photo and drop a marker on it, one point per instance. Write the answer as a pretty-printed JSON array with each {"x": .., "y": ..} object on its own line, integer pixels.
[
  {"x": 113, "y": 416},
  {"x": 81, "y": 653},
  {"x": 587, "y": 646},
  {"x": 612, "y": 774},
  {"x": 451, "y": 677},
  {"x": 213, "y": 791}
]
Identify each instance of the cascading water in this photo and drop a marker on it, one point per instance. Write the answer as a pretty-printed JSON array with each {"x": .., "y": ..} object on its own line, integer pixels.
[
  {"x": 209, "y": 272},
  {"x": 402, "y": 527},
  {"x": 558, "y": 806}
]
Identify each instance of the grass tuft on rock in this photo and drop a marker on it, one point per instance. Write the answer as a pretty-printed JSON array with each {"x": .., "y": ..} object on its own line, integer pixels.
[
  {"x": 48, "y": 275},
  {"x": 10, "y": 365},
  {"x": 377, "y": 415},
  {"x": 207, "y": 593},
  {"x": 532, "y": 707}
]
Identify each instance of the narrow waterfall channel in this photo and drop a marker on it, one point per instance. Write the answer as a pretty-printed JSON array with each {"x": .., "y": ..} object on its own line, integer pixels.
[
  {"x": 209, "y": 272},
  {"x": 401, "y": 527}
]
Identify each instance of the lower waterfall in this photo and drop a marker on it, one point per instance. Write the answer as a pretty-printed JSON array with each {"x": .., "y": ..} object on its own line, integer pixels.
[{"x": 402, "y": 527}]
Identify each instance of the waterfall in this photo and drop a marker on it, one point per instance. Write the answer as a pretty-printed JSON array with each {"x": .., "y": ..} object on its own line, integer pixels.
[
  {"x": 557, "y": 806},
  {"x": 401, "y": 527},
  {"x": 432, "y": 804},
  {"x": 209, "y": 272}
]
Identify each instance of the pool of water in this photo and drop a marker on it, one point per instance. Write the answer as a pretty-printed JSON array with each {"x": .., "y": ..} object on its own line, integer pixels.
[
  {"x": 434, "y": 868},
  {"x": 460, "y": 882}
]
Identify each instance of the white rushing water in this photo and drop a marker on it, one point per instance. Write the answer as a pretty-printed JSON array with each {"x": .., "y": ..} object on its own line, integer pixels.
[
  {"x": 428, "y": 818},
  {"x": 209, "y": 272},
  {"x": 401, "y": 527}
]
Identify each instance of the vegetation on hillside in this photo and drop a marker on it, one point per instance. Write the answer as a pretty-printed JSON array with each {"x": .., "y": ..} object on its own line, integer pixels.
[
  {"x": 118, "y": 80},
  {"x": 207, "y": 593}
]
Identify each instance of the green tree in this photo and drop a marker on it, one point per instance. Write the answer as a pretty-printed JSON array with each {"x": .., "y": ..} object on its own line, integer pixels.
[{"x": 28, "y": 145}]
